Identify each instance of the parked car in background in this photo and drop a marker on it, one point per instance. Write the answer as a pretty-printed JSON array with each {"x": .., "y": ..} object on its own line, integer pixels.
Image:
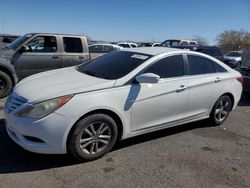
[
  {"x": 244, "y": 69},
  {"x": 97, "y": 50},
  {"x": 127, "y": 44},
  {"x": 149, "y": 44},
  {"x": 84, "y": 110},
  {"x": 233, "y": 58},
  {"x": 6, "y": 39},
  {"x": 213, "y": 51},
  {"x": 177, "y": 42},
  {"x": 38, "y": 52}
]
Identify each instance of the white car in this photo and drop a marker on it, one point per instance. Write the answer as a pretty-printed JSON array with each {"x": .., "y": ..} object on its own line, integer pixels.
[
  {"x": 84, "y": 110},
  {"x": 97, "y": 50},
  {"x": 233, "y": 58},
  {"x": 127, "y": 45},
  {"x": 150, "y": 44},
  {"x": 178, "y": 42}
]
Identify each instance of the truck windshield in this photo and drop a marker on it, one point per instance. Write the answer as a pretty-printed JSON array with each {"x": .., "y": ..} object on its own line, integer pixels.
[
  {"x": 114, "y": 65},
  {"x": 16, "y": 43}
]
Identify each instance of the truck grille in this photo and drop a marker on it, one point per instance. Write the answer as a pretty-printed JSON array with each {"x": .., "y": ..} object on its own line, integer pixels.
[{"x": 13, "y": 102}]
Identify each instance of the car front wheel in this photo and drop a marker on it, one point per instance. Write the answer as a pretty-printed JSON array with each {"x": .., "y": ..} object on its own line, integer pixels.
[{"x": 93, "y": 137}]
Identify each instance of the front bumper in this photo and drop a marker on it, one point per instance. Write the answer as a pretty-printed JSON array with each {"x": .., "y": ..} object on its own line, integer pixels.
[
  {"x": 231, "y": 63},
  {"x": 49, "y": 134}
]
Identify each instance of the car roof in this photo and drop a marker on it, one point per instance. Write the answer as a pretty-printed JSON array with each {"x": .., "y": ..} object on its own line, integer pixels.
[
  {"x": 153, "y": 50},
  {"x": 55, "y": 34}
]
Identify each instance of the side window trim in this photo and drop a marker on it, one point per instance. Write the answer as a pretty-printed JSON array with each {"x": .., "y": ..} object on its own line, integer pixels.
[{"x": 72, "y": 37}]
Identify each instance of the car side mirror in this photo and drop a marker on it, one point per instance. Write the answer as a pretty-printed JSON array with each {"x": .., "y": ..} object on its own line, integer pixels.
[
  {"x": 149, "y": 78},
  {"x": 23, "y": 49}
]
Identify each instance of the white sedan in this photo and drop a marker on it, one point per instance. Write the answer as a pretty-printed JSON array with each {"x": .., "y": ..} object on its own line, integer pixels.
[{"x": 84, "y": 110}]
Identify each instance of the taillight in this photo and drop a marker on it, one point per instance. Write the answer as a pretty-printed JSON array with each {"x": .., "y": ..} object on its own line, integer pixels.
[{"x": 240, "y": 79}]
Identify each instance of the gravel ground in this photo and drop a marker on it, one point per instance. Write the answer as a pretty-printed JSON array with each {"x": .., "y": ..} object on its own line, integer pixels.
[{"x": 191, "y": 155}]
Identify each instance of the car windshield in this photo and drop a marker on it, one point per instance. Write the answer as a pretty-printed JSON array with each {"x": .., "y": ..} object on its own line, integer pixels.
[
  {"x": 114, "y": 65},
  {"x": 170, "y": 43},
  {"x": 233, "y": 54},
  {"x": 16, "y": 43}
]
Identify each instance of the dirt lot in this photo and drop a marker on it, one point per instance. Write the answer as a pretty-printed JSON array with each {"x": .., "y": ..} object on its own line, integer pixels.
[{"x": 192, "y": 155}]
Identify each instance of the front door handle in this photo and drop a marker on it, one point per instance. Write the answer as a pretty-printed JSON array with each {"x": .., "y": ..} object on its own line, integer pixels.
[
  {"x": 217, "y": 80},
  {"x": 181, "y": 88}
]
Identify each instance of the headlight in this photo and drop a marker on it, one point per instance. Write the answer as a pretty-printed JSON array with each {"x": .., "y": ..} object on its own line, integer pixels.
[
  {"x": 44, "y": 108},
  {"x": 237, "y": 58}
]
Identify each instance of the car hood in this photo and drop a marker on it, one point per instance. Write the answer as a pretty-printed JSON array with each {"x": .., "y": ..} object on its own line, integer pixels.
[
  {"x": 60, "y": 82},
  {"x": 6, "y": 53}
]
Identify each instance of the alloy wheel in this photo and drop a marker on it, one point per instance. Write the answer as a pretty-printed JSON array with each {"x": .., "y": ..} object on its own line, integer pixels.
[
  {"x": 95, "y": 138},
  {"x": 222, "y": 110}
]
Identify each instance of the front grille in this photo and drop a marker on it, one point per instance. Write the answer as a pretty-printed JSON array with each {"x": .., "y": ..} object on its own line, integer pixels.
[{"x": 13, "y": 102}]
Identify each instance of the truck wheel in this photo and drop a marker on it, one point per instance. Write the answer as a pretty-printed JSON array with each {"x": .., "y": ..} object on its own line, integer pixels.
[{"x": 5, "y": 84}]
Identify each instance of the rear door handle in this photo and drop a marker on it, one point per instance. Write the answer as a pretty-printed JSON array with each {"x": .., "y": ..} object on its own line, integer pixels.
[
  {"x": 55, "y": 57},
  {"x": 217, "y": 80},
  {"x": 181, "y": 88}
]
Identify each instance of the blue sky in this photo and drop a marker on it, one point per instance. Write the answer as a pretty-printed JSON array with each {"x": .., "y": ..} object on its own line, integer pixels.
[{"x": 114, "y": 20}]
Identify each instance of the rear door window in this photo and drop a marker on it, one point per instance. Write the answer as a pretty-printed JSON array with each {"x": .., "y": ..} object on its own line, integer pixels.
[
  {"x": 72, "y": 45},
  {"x": 200, "y": 65},
  {"x": 219, "y": 68}
]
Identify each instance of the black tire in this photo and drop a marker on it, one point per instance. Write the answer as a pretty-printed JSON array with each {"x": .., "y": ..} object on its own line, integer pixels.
[
  {"x": 220, "y": 111},
  {"x": 5, "y": 84},
  {"x": 238, "y": 65},
  {"x": 97, "y": 121}
]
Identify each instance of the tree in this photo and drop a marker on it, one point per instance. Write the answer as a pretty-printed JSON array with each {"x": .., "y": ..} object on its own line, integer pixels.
[
  {"x": 200, "y": 40},
  {"x": 233, "y": 40}
]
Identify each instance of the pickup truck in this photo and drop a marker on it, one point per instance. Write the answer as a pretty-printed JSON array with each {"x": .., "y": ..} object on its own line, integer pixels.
[{"x": 38, "y": 52}]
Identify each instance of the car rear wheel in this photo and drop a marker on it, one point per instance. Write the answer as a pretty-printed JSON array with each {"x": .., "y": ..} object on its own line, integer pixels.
[
  {"x": 221, "y": 110},
  {"x": 93, "y": 137},
  {"x": 5, "y": 84}
]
